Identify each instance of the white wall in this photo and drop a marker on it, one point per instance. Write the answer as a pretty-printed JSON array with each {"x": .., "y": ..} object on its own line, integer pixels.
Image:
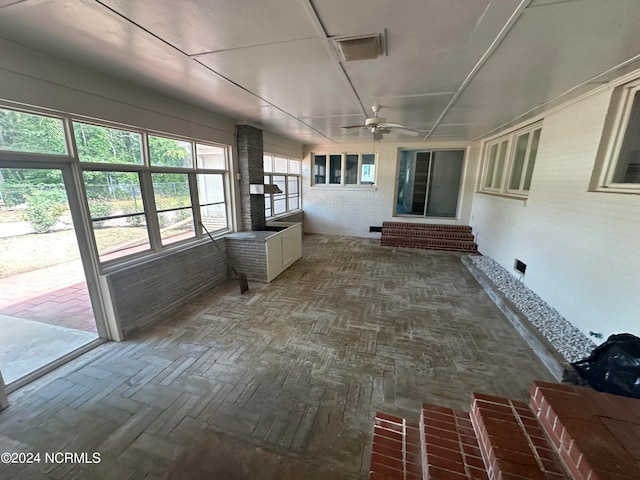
[
  {"x": 277, "y": 145},
  {"x": 581, "y": 248},
  {"x": 351, "y": 210},
  {"x": 32, "y": 78}
]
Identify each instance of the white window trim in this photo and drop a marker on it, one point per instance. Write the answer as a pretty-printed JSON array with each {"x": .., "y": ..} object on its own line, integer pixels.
[
  {"x": 616, "y": 124},
  {"x": 288, "y": 174},
  {"x": 144, "y": 170},
  {"x": 501, "y": 179},
  {"x": 343, "y": 169},
  {"x": 511, "y": 138}
]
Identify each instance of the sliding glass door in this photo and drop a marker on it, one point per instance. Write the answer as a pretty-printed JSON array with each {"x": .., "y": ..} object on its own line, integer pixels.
[
  {"x": 429, "y": 183},
  {"x": 45, "y": 307}
]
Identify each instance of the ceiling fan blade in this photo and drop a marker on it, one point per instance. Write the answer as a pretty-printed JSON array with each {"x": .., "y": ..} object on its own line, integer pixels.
[
  {"x": 406, "y": 131},
  {"x": 393, "y": 125},
  {"x": 354, "y": 126},
  {"x": 351, "y": 133}
]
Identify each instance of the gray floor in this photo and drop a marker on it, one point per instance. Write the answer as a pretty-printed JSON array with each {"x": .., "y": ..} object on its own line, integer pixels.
[
  {"x": 26, "y": 345},
  {"x": 290, "y": 374}
]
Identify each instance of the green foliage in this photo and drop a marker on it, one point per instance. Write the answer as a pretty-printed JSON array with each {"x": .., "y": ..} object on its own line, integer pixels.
[
  {"x": 44, "y": 208},
  {"x": 133, "y": 221},
  {"x": 184, "y": 214},
  {"x": 14, "y": 194},
  {"x": 107, "y": 145},
  {"x": 24, "y": 132},
  {"x": 166, "y": 152},
  {"x": 99, "y": 207},
  {"x": 17, "y": 183}
]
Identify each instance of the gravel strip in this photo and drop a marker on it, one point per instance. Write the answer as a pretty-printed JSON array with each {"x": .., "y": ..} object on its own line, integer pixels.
[{"x": 572, "y": 344}]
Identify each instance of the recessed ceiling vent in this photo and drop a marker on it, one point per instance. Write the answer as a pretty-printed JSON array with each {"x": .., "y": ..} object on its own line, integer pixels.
[{"x": 363, "y": 47}]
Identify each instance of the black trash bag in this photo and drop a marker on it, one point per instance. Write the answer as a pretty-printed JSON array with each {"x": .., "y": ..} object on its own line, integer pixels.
[{"x": 614, "y": 366}]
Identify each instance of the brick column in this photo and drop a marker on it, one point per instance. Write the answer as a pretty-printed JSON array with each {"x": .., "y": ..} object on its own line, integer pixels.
[{"x": 251, "y": 167}]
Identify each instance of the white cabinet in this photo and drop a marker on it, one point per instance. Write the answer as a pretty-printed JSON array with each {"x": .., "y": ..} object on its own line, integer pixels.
[{"x": 283, "y": 249}]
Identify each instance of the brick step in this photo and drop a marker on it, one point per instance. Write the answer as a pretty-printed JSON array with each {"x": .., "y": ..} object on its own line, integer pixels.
[
  {"x": 596, "y": 434},
  {"x": 450, "y": 449},
  {"x": 429, "y": 243},
  {"x": 426, "y": 226},
  {"x": 428, "y": 236},
  {"x": 512, "y": 442},
  {"x": 426, "y": 233},
  {"x": 566, "y": 432},
  {"x": 396, "y": 453}
]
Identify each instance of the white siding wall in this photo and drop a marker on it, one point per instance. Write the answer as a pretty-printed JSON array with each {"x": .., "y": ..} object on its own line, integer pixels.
[
  {"x": 351, "y": 210},
  {"x": 581, "y": 248}
]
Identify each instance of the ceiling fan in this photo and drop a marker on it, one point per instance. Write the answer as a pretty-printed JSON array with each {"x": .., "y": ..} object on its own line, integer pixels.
[{"x": 379, "y": 125}]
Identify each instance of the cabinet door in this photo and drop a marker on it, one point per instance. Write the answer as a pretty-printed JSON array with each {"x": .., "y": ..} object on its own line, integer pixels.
[
  {"x": 274, "y": 257},
  {"x": 291, "y": 245}
]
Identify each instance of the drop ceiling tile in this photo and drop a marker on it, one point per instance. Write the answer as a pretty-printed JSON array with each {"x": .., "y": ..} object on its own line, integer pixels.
[
  {"x": 198, "y": 26},
  {"x": 299, "y": 77}
]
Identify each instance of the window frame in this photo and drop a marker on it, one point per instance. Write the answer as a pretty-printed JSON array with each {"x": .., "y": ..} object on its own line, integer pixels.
[
  {"x": 46, "y": 156},
  {"x": 616, "y": 125},
  {"x": 525, "y": 163},
  {"x": 343, "y": 170},
  {"x": 501, "y": 181},
  {"x": 268, "y": 174},
  {"x": 145, "y": 171}
]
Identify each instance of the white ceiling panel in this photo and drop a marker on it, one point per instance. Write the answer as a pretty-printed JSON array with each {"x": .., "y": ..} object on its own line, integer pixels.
[
  {"x": 470, "y": 130},
  {"x": 332, "y": 126},
  {"x": 114, "y": 46},
  {"x": 299, "y": 77},
  {"x": 432, "y": 46},
  {"x": 198, "y": 26},
  {"x": 550, "y": 50},
  {"x": 467, "y": 67}
]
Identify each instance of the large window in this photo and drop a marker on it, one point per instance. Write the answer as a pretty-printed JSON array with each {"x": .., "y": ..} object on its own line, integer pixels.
[
  {"x": 117, "y": 212},
  {"x": 509, "y": 162},
  {"x": 285, "y": 173},
  {"x": 344, "y": 169},
  {"x": 620, "y": 162},
  {"x": 144, "y": 192},
  {"x": 142, "y": 189}
]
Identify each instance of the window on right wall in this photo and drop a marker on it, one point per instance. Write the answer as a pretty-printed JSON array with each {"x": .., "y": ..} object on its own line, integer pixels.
[
  {"x": 619, "y": 161},
  {"x": 509, "y": 161}
]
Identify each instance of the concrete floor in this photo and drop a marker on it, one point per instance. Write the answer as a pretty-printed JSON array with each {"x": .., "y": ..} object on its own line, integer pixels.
[
  {"x": 281, "y": 381},
  {"x": 27, "y": 345}
]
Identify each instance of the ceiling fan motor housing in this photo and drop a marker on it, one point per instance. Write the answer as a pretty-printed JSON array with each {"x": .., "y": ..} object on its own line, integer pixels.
[{"x": 374, "y": 121}]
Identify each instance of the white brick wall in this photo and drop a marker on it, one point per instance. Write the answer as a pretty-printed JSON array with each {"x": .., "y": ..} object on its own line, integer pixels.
[
  {"x": 351, "y": 210},
  {"x": 580, "y": 247}
]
